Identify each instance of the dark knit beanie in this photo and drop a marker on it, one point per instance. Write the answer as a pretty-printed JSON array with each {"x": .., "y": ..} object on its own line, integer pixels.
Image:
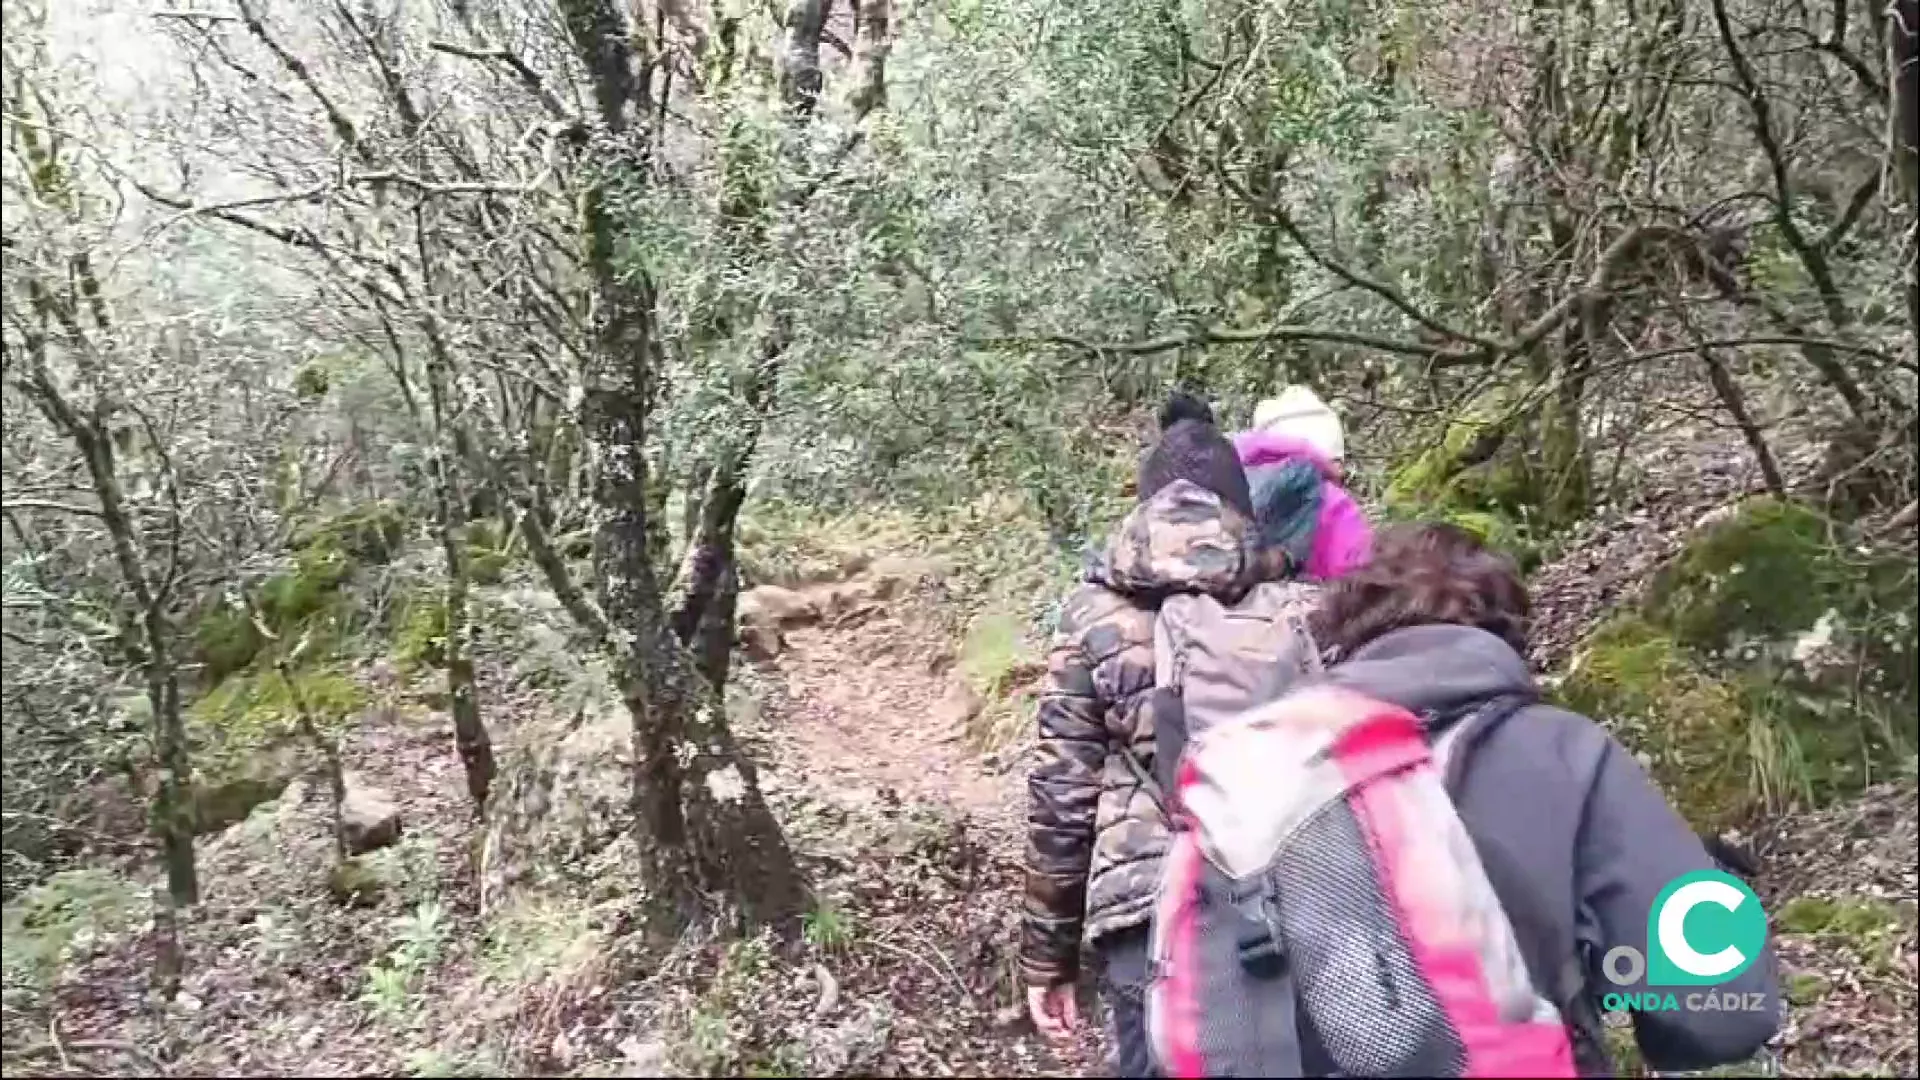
[{"x": 1191, "y": 448}]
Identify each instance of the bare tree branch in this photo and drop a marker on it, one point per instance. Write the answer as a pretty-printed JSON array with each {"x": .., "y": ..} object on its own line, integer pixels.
[
  {"x": 529, "y": 78},
  {"x": 50, "y": 506},
  {"x": 1761, "y": 109}
]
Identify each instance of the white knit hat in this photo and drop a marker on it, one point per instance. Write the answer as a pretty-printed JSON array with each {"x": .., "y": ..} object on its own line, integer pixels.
[{"x": 1300, "y": 413}]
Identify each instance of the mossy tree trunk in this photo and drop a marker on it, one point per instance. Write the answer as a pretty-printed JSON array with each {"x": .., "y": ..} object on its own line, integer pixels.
[
  {"x": 70, "y": 312},
  {"x": 705, "y": 827},
  {"x": 448, "y": 446},
  {"x": 470, "y": 735},
  {"x": 703, "y": 617}
]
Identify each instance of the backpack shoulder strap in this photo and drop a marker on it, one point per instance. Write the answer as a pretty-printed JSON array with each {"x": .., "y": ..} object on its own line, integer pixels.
[
  {"x": 1452, "y": 747},
  {"x": 1563, "y": 980}
]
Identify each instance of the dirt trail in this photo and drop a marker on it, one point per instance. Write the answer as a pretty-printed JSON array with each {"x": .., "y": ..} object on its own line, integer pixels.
[
  {"x": 870, "y": 697},
  {"x": 868, "y": 702},
  {"x": 873, "y": 706}
]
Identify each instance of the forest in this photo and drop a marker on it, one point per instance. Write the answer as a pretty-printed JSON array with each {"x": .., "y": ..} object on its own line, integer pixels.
[{"x": 531, "y": 527}]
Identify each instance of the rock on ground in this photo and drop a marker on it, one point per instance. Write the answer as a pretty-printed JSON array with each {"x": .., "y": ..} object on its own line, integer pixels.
[{"x": 369, "y": 818}]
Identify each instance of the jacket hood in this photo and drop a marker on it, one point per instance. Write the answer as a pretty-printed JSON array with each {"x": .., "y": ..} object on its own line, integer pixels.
[
  {"x": 1259, "y": 447},
  {"x": 1438, "y": 671},
  {"x": 1287, "y": 500},
  {"x": 1182, "y": 539}
]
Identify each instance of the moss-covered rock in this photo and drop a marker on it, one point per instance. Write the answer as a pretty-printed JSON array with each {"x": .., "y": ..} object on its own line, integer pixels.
[
  {"x": 1726, "y": 743},
  {"x": 354, "y": 883},
  {"x": 225, "y": 641},
  {"x": 44, "y": 924},
  {"x": 225, "y": 798},
  {"x": 1777, "y": 584},
  {"x": 1689, "y": 728},
  {"x": 295, "y": 595},
  {"x": 245, "y": 737},
  {"x": 306, "y": 599},
  {"x": 371, "y": 532},
  {"x": 1818, "y": 633}
]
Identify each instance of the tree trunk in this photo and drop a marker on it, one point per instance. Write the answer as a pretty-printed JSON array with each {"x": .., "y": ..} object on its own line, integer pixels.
[
  {"x": 1904, "y": 47},
  {"x": 705, "y": 827},
  {"x": 172, "y": 810},
  {"x": 1735, "y": 403},
  {"x": 470, "y": 737},
  {"x": 173, "y": 806},
  {"x": 710, "y": 591}
]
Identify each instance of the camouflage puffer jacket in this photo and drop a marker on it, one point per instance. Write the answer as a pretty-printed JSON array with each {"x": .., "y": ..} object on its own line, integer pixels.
[{"x": 1095, "y": 837}]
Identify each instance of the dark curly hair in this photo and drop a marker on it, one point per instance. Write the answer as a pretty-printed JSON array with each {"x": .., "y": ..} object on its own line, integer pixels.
[{"x": 1422, "y": 574}]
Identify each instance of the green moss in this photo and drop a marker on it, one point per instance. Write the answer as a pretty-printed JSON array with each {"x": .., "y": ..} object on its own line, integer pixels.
[
  {"x": 1803, "y": 989},
  {"x": 225, "y": 641},
  {"x": 244, "y": 735},
  {"x": 224, "y": 799},
  {"x": 1725, "y": 746},
  {"x": 421, "y": 638},
  {"x": 1871, "y": 931},
  {"x": 484, "y": 533},
  {"x": 1771, "y": 570},
  {"x": 1757, "y": 573},
  {"x": 372, "y": 532},
  {"x": 264, "y": 701},
  {"x": 993, "y": 653},
  {"x": 486, "y": 549},
  {"x": 486, "y": 566},
  {"x": 1510, "y": 480},
  {"x": 1857, "y": 919},
  {"x": 293, "y": 596},
  {"x": 39, "y": 926},
  {"x": 1820, "y": 631},
  {"x": 354, "y": 883},
  {"x": 1688, "y": 728},
  {"x": 1424, "y": 480},
  {"x": 1817, "y": 748},
  {"x": 312, "y": 381}
]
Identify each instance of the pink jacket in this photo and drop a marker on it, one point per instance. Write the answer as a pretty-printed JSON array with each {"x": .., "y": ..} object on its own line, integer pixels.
[{"x": 1343, "y": 540}]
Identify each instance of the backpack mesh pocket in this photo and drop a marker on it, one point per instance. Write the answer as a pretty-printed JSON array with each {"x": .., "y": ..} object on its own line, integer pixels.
[{"x": 1368, "y": 1006}]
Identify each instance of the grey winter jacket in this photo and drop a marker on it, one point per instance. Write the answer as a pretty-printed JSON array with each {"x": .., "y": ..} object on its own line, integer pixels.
[{"x": 1550, "y": 794}]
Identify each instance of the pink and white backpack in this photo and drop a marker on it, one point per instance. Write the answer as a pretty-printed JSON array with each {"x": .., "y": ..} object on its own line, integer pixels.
[{"x": 1323, "y": 911}]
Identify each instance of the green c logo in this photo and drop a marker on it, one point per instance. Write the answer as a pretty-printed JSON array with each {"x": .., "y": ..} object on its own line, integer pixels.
[{"x": 1706, "y": 927}]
